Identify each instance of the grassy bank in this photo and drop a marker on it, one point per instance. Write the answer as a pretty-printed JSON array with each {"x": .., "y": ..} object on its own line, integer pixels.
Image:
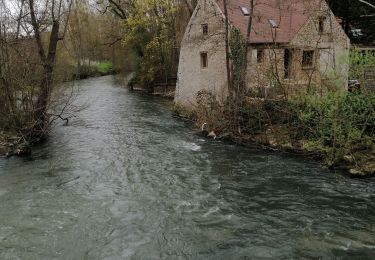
[
  {"x": 337, "y": 128},
  {"x": 93, "y": 70}
]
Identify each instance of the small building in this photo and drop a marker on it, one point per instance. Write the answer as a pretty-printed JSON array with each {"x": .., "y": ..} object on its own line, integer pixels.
[{"x": 293, "y": 45}]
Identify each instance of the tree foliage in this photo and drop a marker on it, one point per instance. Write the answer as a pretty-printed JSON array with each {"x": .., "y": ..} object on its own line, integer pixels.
[{"x": 150, "y": 32}]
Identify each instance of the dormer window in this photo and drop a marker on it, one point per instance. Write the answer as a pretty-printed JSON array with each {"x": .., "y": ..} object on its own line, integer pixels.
[
  {"x": 273, "y": 23},
  {"x": 205, "y": 29},
  {"x": 245, "y": 11}
]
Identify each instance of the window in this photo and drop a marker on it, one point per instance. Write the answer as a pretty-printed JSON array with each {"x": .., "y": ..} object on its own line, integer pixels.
[
  {"x": 205, "y": 29},
  {"x": 308, "y": 59},
  {"x": 245, "y": 11},
  {"x": 321, "y": 24},
  {"x": 273, "y": 23},
  {"x": 288, "y": 59},
  {"x": 204, "y": 60},
  {"x": 260, "y": 56}
]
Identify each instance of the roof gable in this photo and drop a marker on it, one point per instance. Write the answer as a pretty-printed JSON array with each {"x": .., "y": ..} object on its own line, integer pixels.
[{"x": 287, "y": 15}]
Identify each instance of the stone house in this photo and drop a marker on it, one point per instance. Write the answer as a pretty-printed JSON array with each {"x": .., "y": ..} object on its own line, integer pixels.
[{"x": 294, "y": 44}]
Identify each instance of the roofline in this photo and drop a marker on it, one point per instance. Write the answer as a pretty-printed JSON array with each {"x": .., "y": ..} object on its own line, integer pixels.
[
  {"x": 271, "y": 42},
  {"x": 308, "y": 20}
]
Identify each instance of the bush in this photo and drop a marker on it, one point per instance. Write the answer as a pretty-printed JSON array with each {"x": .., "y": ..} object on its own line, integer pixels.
[
  {"x": 105, "y": 68},
  {"x": 338, "y": 123},
  {"x": 86, "y": 71},
  {"x": 259, "y": 115},
  {"x": 184, "y": 112},
  {"x": 360, "y": 63},
  {"x": 210, "y": 112}
]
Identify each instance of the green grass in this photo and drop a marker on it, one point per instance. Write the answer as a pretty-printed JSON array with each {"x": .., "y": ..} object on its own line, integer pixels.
[{"x": 105, "y": 67}]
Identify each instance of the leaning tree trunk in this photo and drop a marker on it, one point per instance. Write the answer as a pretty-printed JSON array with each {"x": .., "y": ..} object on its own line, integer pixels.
[
  {"x": 48, "y": 62},
  {"x": 47, "y": 80}
]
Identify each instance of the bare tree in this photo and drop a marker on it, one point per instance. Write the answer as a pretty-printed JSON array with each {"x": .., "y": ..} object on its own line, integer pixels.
[
  {"x": 227, "y": 54},
  {"x": 58, "y": 15}
]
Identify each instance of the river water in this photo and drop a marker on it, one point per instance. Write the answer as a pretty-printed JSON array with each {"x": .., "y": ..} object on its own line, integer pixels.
[{"x": 127, "y": 181}]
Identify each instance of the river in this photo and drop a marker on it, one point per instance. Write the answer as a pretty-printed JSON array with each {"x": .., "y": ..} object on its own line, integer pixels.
[{"x": 127, "y": 181}]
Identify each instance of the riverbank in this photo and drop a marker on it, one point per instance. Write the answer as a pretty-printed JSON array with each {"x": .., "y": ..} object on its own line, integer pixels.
[
  {"x": 275, "y": 141},
  {"x": 337, "y": 130},
  {"x": 12, "y": 144},
  {"x": 159, "y": 93},
  {"x": 266, "y": 125},
  {"x": 125, "y": 180}
]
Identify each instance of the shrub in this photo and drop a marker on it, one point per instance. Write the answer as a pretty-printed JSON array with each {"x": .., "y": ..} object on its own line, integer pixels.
[
  {"x": 210, "y": 112},
  {"x": 338, "y": 123},
  {"x": 360, "y": 63},
  {"x": 185, "y": 112},
  {"x": 105, "y": 68},
  {"x": 258, "y": 115}
]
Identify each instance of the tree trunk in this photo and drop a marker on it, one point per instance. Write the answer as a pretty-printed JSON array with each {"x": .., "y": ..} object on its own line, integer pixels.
[
  {"x": 227, "y": 58},
  {"x": 247, "y": 43},
  {"x": 19, "y": 19},
  {"x": 4, "y": 68},
  {"x": 47, "y": 81},
  {"x": 48, "y": 63}
]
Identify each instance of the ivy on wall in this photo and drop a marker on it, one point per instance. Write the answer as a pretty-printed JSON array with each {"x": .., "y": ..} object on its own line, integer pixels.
[{"x": 237, "y": 53}]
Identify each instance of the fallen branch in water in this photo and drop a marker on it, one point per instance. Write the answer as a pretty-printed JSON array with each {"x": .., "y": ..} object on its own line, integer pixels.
[
  {"x": 66, "y": 182},
  {"x": 182, "y": 118}
]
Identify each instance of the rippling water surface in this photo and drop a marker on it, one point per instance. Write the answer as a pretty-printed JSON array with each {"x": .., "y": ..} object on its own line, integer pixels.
[{"x": 127, "y": 181}]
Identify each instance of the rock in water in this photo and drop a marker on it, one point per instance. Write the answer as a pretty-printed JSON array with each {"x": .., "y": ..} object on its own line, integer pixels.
[{"x": 212, "y": 135}]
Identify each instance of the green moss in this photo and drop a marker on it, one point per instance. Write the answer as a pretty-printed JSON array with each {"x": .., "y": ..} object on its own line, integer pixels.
[{"x": 183, "y": 111}]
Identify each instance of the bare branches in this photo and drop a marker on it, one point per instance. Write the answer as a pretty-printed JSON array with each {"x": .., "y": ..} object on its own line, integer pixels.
[
  {"x": 367, "y": 3},
  {"x": 120, "y": 8},
  {"x": 47, "y": 59},
  {"x": 36, "y": 29}
]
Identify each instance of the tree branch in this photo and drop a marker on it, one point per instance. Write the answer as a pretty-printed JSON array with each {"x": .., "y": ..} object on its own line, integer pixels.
[
  {"x": 35, "y": 26},
  {"x": 367, "y": 3}
]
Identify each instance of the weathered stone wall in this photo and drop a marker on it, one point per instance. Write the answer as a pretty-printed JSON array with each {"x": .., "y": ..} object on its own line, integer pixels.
[
  {"x": 192, "y": 77},
  {"x": 331, "y": 52},
  {"x": 332, "y": 48},
  {"x": 263, "y": 76}
]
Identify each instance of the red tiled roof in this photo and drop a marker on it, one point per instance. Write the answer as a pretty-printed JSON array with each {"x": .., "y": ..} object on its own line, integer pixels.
[{"x": 289, "y": 15}]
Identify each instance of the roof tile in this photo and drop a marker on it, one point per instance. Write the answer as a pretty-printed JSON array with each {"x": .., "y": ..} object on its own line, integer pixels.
[{"x": 289, "y": 15}]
